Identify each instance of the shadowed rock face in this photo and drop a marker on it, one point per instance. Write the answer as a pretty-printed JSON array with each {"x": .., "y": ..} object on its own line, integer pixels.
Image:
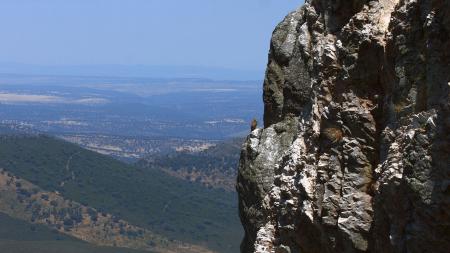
[{"x": 354, "y": 154}]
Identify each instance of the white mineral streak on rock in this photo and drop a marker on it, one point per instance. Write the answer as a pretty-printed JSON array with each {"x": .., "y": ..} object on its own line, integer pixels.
[
  {"x": 411, "y": 133},
  {"x": 254, "y": 138},
  {"x": 330, "y": 51},
  {"x": 387, "y": 7},
  {"x": 264, "y": 237},
  {"x": 304, "y": 38},
  {"x": 269, "y": 148},
  {"x": 288, "y": 45}
]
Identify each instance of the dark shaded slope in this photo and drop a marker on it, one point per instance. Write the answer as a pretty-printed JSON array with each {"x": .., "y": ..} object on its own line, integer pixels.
[
  {"x": 18, "y": 236},
  {"x": 58, "y": 247},
  {"x": 17, "y": 230}
]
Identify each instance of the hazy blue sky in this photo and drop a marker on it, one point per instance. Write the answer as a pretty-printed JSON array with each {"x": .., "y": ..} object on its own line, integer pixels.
[{"x": 225, "y": 33}]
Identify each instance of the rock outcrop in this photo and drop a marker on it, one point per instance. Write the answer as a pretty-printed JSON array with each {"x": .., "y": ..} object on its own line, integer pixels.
[{"x": 354, "y": 153}]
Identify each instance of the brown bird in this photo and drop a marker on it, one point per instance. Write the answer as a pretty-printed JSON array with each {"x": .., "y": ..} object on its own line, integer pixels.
[
  {"x": 254, "y": 124},
  {"x": 333, "y": 134}
]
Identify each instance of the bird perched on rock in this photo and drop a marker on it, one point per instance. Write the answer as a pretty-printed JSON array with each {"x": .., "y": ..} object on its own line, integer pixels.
[
  {"x": 333, "y": 134},
  {"x": 254, "y": 124}
]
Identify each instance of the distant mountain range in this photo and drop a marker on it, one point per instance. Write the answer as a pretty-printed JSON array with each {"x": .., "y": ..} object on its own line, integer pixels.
[{"x": 151, "y": 71}]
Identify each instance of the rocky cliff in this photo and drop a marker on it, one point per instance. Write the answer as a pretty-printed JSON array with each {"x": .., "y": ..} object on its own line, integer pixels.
[{"x": 354, "y": 153}]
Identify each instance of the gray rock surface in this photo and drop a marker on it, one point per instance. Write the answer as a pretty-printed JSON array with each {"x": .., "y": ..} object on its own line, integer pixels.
[{"x": 354, "y": 153}]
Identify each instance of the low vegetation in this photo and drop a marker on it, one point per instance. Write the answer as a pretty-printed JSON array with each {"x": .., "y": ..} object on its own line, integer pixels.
[
  {"x": 147, "y": 198},
  {"x": 22, "y": 200},
  {"x": 18, "y": 236},
  {"x": 215, "y": 167}
]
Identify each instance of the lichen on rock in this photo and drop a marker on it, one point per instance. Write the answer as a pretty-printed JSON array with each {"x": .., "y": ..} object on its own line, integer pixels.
[{"x": 354, "y": 153}]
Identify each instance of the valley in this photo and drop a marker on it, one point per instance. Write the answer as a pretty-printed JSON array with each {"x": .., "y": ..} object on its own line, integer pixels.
[
  {"x": 67, "y": 219},
  {"x": 144, "y": 197},
  {"x": 214, "y": 167},
  {"x": 140, "y": 157},
  {"x": 131, "y": 148}
]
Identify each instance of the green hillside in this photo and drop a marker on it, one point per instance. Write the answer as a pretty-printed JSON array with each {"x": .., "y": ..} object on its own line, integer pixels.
[
  {"x": 224, "y": 156},
  {"x": 17, "y": 230},
  {"x": 149, "y": 198},
  {"x": 214, "y": 167},
  {"x": 18, "y": 236},
  {"x": 58, "y": 247}
]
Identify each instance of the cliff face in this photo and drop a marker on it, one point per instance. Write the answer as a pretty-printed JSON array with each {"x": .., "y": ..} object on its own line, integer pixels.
[{"x": 354, "y": 153}]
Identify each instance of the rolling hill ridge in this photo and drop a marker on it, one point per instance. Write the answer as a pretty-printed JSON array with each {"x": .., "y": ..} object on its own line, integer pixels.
[
  {"x": 215, "y": 167},
  {"x": 145, "y": 198},
  {"x": 22, "y": 200}
]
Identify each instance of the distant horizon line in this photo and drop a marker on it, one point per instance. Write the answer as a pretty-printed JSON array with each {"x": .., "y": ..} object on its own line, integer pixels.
[
  {"x": 123, "y": 64},
  {"x": 126, "y": 77},
  {"x": 133, "y": 71}
]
